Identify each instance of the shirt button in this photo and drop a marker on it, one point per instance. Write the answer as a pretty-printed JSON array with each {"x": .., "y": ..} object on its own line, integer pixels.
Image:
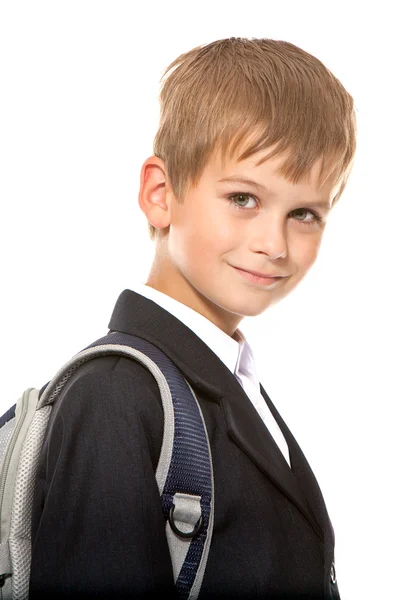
[{"x": 333, "y": 573}]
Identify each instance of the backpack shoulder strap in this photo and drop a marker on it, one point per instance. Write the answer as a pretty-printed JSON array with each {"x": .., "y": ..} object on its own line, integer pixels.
[{"x": 184, "y": 472}]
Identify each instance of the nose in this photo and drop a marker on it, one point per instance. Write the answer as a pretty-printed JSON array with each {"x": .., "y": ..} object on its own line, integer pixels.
[{"x": 270, "y": 239}]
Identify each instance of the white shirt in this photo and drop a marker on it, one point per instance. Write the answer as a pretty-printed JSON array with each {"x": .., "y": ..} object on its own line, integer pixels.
[{"x": 235, "y": 352}]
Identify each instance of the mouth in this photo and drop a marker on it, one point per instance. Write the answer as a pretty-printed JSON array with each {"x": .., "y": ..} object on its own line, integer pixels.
[
  {"x": 256, "y": 277},
  {"x": 259, "y": 274}
]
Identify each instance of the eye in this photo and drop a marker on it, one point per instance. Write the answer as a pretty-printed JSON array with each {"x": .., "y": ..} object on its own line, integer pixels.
[
  {"x": 316, "y": 218},
  {"x": 242, "y": 197}
]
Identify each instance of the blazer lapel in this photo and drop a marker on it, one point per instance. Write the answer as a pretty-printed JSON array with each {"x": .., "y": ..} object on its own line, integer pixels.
[
  {"x": 249, "y": 432},
  {"x": 304, "y": 475}
]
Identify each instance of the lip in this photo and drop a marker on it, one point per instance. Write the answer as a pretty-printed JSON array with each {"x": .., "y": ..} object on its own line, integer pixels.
[
  {"x": 254, "y": 277},
  {"x": 267, "y": 275}
]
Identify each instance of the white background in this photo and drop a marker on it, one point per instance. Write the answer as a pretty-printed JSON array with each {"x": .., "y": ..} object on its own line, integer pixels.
[{"x": 78, "y": 108}]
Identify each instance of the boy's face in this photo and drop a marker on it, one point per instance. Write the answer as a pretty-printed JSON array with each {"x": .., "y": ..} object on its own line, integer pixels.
[{"x": 208, "y": 238}]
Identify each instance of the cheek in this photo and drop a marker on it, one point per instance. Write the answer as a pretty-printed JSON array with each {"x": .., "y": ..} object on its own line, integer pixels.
[
  {"x": 209, "y": 232},
  {"x": 193, "y": 245},
  {"x": 306, "y": 252}
]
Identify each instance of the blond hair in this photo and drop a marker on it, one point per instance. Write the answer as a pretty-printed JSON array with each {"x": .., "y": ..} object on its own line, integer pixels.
[{"x": 262, "y": 92}]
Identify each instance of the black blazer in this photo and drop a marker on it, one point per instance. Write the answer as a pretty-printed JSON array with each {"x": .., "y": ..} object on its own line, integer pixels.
[{"x": 98, "y": 530}]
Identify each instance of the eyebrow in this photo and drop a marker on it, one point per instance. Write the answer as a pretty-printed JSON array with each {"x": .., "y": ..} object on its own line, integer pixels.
[{"x": 268, "y": 191}]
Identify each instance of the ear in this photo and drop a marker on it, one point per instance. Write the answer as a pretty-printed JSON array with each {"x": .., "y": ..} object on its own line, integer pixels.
[{"x": 153, "y": 198}]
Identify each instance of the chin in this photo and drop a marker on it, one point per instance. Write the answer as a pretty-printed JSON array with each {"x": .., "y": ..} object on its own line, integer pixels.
[
  {"x": 250, "y": 311},
  {"x": 255, "y": 312}
]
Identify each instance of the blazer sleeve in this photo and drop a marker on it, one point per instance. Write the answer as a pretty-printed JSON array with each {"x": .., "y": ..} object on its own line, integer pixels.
[{"x": 98, "y": 527}]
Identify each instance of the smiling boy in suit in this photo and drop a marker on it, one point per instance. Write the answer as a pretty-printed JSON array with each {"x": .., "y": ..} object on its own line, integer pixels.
[{"x": 255, "y": 145}]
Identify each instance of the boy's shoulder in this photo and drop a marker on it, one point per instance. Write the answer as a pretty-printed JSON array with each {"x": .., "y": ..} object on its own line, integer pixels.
[
  {"x": 112, "y": 392},
  {"x": 112, "y": 371}
]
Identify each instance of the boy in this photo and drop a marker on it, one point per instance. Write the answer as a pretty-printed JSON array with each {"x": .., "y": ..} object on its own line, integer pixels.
[{"x": 255, "y": 145}]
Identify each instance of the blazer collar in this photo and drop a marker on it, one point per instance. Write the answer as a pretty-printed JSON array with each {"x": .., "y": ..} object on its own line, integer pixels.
[
  {"x": 226, "y": 347},
  {"x": 136, "y": 315}
]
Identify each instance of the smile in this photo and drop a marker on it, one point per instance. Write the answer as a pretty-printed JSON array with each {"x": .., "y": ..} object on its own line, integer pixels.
[{"x": 268, "y": 281}]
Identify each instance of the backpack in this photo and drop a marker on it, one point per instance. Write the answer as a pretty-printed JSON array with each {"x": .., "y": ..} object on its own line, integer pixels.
[{"x": 184, "y": 470}]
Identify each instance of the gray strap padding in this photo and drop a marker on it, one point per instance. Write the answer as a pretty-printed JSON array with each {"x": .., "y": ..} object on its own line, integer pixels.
[
  {"x": 5, "y": 558},
  {"x": 21, "y": 516},
  {"x": 24, "y": 413}
]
